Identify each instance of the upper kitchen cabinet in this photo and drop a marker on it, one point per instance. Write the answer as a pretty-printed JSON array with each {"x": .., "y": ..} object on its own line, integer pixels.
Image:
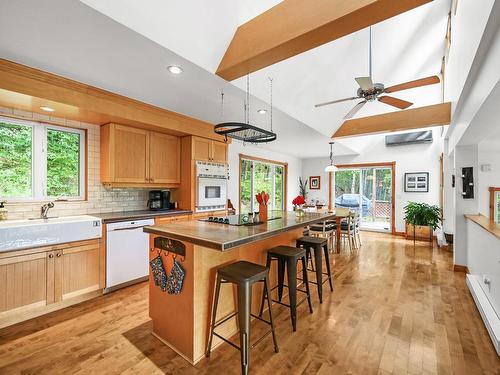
[
  {"x": 206, "y": 149},
  {"x": 137, "y": 157}
]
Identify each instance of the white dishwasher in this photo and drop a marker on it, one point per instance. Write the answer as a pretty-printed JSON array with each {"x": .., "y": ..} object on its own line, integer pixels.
[{"x": 127, "y": 253}]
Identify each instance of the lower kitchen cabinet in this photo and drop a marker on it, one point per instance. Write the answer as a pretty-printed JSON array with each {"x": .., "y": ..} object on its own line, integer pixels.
[
  {"x": 40, "y": 280},
  {"x": 171, "y": 219}
]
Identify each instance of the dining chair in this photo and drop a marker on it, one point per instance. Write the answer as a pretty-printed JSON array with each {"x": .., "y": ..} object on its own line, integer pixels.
[{"x": 347, "y": 230}]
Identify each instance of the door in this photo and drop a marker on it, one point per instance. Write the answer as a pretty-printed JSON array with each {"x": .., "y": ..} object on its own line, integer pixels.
[
  {"x": 219, "y": 152},
  {"x": 368, "y": 191},
  {"x": 130, "y": 154},
  {"x": 77, "y": 269},
  {"x": 24, "y": 282},
  {"x": 202, "y": 149},
  {"x": 164, "y": 158}
]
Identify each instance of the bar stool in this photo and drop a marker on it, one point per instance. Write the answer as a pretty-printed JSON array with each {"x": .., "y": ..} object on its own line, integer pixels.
[
  {"x": 288, "y": 256},
  {"x": 316, "y": 244},
  {"x": 244, "y": 275}
]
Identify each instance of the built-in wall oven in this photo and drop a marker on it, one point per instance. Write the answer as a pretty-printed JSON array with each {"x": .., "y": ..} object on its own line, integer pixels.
[{"x": 211, "y": 186}]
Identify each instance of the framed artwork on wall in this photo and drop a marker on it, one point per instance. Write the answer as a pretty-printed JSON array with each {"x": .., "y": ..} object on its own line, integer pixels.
[
  {"x": 417, "y": 182},
  {"x": 315, "y": 182}
]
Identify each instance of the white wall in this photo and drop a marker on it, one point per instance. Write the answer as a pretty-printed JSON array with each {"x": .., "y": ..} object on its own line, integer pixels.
[
  {"x": 372, "y": 149},
  {"x": 488, "y": 155},
  {"x": 449, "y": 193},
  {"x": 294, "y": 169}
]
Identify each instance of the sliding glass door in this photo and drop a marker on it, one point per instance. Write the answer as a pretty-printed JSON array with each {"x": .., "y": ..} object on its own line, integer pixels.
[{"x": 368, "y": 191}]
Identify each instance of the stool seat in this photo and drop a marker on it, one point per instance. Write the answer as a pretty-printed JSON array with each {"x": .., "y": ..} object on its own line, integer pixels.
[
  {"x": 312, "y": 240},
  {"x": 287, "y": 251},
  {"x": 243, "y": 271}
]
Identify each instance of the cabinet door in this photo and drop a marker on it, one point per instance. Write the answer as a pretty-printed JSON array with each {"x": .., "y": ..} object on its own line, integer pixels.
[
  {"x": 77, "y": 269},
  {"x": 202, "y": 149},
  {"x": 130, "y": 163},
  {"x": 23, "y": 282},
  {"x": 170, "y": 219},
  {"x": 164, "y": 158},
  {"x": 219, "y": 152}
]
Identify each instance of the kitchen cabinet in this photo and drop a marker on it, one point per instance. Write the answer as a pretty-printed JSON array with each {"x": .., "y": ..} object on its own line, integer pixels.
[
  {"x": 171, "y": 219},
  {"x": 40, "y": 280},
  {"x": 206, "y": 149},
  {"x": 138, "y": 157}
]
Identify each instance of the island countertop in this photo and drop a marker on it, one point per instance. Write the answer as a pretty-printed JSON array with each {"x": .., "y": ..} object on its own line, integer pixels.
[{"x": 224, "y": 237}]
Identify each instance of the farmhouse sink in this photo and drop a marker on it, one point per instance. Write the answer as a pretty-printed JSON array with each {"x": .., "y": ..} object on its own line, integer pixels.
[{"x": 21, "y": 234}]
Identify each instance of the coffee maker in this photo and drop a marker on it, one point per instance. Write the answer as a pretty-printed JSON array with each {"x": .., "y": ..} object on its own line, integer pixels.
[{"x": 159, "y": 200}]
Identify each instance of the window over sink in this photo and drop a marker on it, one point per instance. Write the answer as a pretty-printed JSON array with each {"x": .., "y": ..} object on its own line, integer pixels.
[{"x": 41, "y": 161}]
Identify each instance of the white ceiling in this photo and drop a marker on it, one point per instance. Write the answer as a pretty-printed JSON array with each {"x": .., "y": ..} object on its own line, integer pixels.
[
  {"x": 406, "y": 47},
  {"x": 128, "y": 52}
]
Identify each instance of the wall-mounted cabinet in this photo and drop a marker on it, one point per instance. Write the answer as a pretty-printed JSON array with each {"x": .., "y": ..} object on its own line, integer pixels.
[
  {"x": 207, "y": 149},
  {"x": 138, "y": 157},
  {"x": 45, "y": 279}
]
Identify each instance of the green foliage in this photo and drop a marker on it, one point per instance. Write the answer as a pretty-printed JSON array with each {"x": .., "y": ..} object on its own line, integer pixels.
[
  {"x": 63, "y": 163},
  {"x": 303, "y": 187},
  {"x": 15, "y": 160},
  {"x": 263, "y": 181},
  {"x": 423, "y": 214}
]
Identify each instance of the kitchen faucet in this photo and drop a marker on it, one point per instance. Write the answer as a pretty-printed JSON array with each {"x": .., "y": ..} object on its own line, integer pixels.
[{"x": 45, "y": 210}]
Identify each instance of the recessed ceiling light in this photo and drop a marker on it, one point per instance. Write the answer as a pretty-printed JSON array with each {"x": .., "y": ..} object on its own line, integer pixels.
[
  {"x": 174, "y": 69},
  {"x": 47, "y": 109},
  {"x": 262, "y": 111}
]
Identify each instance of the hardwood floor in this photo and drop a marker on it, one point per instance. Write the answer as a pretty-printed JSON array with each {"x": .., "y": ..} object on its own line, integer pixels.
[{"x": 395, "y": 309}]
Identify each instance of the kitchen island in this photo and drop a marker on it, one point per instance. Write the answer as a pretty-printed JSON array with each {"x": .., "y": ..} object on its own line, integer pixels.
[{"x": 182, "y": 320}]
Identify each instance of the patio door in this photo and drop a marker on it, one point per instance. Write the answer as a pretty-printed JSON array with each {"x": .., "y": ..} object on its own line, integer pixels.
[{"x": 367, "y": 190}]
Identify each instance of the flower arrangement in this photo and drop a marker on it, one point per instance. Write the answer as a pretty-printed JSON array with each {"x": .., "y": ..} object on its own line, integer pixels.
[{"x": 298, "y": 202}]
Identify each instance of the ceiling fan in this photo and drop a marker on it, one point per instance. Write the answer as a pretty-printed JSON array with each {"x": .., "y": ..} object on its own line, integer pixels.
[{"x": 369, "y": 91}]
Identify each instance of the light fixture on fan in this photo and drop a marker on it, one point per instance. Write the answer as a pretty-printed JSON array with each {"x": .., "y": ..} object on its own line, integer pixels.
[
  {"x": 243, "y": 131},
  {"x": 331, "y": 167}
]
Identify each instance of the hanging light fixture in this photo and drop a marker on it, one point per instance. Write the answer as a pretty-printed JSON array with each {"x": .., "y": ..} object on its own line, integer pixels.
[
  {"x": 331, "y": 167},
  {"x": 243, "y": 131}
]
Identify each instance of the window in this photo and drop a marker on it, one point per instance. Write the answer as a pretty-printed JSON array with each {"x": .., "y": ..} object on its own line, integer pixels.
[
  {"x": 40, "y": 161},
  {"x": 259, "y": 175},
  {"x": 495, "y": 204}
]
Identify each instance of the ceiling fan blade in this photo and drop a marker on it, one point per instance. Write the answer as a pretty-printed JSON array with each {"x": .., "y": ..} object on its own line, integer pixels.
[
  {"x": 412, "y": 84},
  {"x": 395, "y": 102},
  {"x": 364, "y": 82},
  {"x": 335, "y": 101},
  {"x": 354, "y": 110}
]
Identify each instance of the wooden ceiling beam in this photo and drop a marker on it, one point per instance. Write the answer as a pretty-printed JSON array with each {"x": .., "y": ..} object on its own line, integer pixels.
[
  {"x": 415, "y": 118},
  {"x": 296, "y": 26}
]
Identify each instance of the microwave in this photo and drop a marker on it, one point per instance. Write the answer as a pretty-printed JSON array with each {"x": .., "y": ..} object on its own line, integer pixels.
[{"x": 211, "y": 186}]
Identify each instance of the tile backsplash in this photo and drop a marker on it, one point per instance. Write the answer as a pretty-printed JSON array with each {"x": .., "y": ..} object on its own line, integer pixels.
[{"x": 100, "y": 198}]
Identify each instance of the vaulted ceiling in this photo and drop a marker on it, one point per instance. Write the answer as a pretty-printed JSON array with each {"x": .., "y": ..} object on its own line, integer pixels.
[{"x": 84, "y": 40}]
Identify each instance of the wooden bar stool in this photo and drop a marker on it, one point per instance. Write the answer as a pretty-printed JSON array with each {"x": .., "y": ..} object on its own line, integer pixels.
[
  {"x": 244, "y": 275},
  {"x": 288, "y": 256},
  {"x": 317, "y": 244}
]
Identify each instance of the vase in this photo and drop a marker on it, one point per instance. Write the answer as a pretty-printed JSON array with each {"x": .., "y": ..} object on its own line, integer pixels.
[
  {"x": 299, "y": 211},
  {"x": 263, "y": 213}
]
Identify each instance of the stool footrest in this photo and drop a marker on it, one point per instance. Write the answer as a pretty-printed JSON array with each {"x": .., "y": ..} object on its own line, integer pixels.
[
  {"x": 225, "y": 319},
  {"x": 251, "y": 346}
]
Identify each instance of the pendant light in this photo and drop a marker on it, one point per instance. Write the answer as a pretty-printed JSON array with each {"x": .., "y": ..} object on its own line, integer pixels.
[
  {"x": 243, "y": 131},
  {"x": 331, "y": 167}
]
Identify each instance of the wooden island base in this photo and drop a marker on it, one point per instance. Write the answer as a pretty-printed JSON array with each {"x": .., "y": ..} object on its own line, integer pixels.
[{"x": 182, "y": 321}]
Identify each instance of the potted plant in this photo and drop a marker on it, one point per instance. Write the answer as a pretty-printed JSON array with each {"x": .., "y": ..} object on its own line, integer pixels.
[
  {"x": 303, "y": 187},
  {"x": 421, "y": 220}
]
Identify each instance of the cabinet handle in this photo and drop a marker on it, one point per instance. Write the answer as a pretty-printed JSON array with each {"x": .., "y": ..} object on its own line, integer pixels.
[
  {"x": 151, "y": 179},
  {"x": 51, "y": 256},
  {"x": 58, "y": 255}
]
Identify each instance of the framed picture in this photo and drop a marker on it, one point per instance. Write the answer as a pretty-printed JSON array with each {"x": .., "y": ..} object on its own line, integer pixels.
[
  {"x": 315, "y": 182},
  {"x": 417, "y": 182}
]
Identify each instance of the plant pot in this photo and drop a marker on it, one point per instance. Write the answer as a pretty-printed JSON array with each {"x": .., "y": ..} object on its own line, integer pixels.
[{"x": 422, "y": 232}]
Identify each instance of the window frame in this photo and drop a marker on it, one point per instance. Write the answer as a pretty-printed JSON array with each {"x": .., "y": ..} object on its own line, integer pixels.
[
  {"x": 39, "y": 146},
  {"x": 494, "y": 194},
  {"x": 272, "y": 163}
]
